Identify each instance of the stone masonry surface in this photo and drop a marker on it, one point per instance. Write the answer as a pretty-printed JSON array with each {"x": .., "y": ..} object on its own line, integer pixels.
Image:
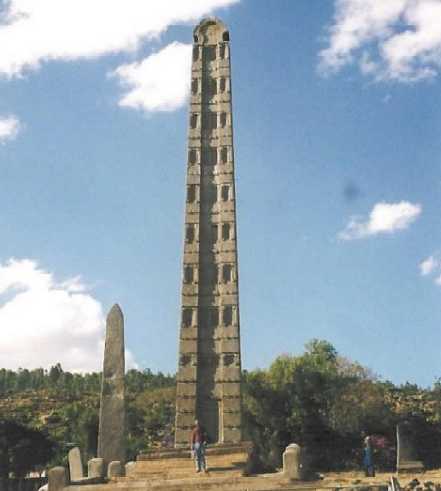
[{"x": 209, "y": 371}]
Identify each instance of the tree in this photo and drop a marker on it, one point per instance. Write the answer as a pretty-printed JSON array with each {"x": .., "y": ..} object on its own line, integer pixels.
[
  {"x": 317, "y": 401},
  {"x": 22, "y": 448}
]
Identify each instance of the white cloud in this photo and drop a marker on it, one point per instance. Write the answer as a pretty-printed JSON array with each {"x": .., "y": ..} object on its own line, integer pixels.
[
  {"x": 432, "y": 267},
  {"x": 390, "y": 40},
  {"x": 429, "y": 265},
  {"x": 384, "y": 218},
  {"x": 160, "y": 82},
  {"x": 36, "y": 31},
  {"x": 43, "y": 322},
  {"x": 9, "y": 128}
]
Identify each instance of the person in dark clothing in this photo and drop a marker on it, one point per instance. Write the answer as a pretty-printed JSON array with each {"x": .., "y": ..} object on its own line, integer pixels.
[
  {"x": 198, "y": 441},
  {"x": 368, "y": 458}
]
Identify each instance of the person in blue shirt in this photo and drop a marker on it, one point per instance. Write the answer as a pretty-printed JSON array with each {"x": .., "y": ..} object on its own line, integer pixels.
[{"x": 368, "y": 458}]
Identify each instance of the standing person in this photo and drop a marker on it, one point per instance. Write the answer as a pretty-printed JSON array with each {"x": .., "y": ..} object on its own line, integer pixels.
[
  {"x": 198, "y": 441},
  {"x": 368, "y": 458}
]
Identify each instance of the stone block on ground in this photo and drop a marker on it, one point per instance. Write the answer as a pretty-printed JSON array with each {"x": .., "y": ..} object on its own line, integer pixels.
[
  {"x": 115, "y": 469},
  {"x": 292, "y": 462},
  {"x": 75, "y": 464},
  {"x": 130, "y": 468},
  {"x": 407, "y": 452},
  {"x": 57, "y": 479},
  {"x": 95, "y": 467}
]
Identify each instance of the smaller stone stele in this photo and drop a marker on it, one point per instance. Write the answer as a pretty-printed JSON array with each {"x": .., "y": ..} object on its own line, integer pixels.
[
  {"x": 130, "y": 468},
  {"x": 115, "y": 469},
  {"x": 57, "y": 479},
  {"x": 292, "y": 462},
  {"x": 111, "y": 433},
  {"x": 75, "y": 464},
  {"x": 407, "y": 453},
  {"x": 95, "y": 467}
]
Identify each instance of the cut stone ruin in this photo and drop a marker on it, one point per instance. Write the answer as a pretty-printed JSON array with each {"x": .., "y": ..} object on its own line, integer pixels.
[
  {"x": 209, "y": 370},
  {"x": 292, "y": 462},
  {"x": 75, "y": 464},
  {"x": 407, "y": 453}
]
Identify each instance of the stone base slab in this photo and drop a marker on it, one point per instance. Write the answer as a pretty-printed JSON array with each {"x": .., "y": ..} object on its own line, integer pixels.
[
  {"x": 184, "y": 453},
  {"x": 410, "y": 466},
  {"x": 174, "y": 463}
]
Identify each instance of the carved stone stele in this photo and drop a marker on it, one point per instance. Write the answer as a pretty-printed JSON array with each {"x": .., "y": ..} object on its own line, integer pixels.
[
  {"x": 209, "y": 371},
  {"x": 111, "y": 433}
]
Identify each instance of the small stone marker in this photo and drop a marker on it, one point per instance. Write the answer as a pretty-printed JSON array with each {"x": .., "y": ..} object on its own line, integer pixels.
[
  {"x": 130, "y": 468},
  {"x": 407, "y": 459},
  {"x": 292, "y": 462},
  {"x": 75, "y": 464},
  {"x": 95, "y": 468},
  {"x": 111, "y": 433},
  {"x": 115, "y": 469},
  {"x": 57, "y": 479}
]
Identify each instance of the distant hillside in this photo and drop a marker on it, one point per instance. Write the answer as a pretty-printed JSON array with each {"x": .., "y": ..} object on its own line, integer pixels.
[
  {"x": 319, "y": 399},
  {"x": 65, "y": 406}
]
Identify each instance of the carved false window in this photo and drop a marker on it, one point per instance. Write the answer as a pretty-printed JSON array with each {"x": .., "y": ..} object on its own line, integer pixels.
[
  {"x": 227, "y": 315},
  {"x": 184, "y": 360},
  {"x": 228, "y": 359},
  {"x": 225, "y": 192},
  {"x": 187, "y": 317},
  {"x": 224, "y": 155},
  {"x": 192, "y": 156},
  {"x": 188, "y": 274},
  {"x": 194, "y": 86},
  {"x": 227, "y": 273},
  {"x": 189, "y": 233},
  {"x": 226, "y": 232},
  {"x": 191, "y": 193},
  {"x": 194, "y": 121},
  {"x": 223, "y": 120}
]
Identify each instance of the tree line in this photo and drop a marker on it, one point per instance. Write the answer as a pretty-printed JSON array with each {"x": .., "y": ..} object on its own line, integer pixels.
[
  {"x": 56, "y": 379},
  {"x": 318, "y": 399}
]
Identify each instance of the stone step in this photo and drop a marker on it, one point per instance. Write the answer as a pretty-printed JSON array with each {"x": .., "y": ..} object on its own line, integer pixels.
[
  {"x": 188, "y": 463},
  {"x": 179, "y": 465},
  {"x": 172, "y": 453},
  {"x": 208, "y": 482}
]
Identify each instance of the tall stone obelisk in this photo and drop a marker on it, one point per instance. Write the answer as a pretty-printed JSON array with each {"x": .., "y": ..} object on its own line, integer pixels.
[
  {"x": 111, "y": 432},
  {"x": 209, "y": 373}
]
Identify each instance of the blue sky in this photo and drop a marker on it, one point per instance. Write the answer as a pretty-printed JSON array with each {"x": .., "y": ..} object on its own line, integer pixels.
[{"x": 337, "y": 122}]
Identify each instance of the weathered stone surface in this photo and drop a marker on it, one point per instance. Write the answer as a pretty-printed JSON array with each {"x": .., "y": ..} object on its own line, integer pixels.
[
  {"x": 115, "y": 469},
  {"x": 130, "y": 468},
  {"x": 111, "y": 434},
  {"x": 210, "y": 302},
  {"x": 75, "y": 464},
  {"x": 57, "y": 479},
  {"x": 407, "y": 453},
  {"x": 95, "y": 467},
  {"x": 292, "y": 462}
]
